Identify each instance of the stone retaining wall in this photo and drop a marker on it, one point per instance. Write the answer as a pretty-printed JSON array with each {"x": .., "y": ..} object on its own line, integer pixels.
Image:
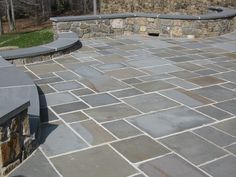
[
  {"x": 162, "y": 6},
  {"x": 145, "y": 24}
]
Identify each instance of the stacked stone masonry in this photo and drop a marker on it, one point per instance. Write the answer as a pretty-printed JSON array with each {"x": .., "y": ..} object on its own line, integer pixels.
[
  {"x": 15, "y": 142},
  {"x": 146, "y": 25},
  {"x": 162, "y": 6}
]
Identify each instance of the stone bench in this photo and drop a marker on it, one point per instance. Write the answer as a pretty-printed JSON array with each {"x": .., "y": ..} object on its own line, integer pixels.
[
  {"x": 219, "y": 22},
  {"x": 65, "y": 41}
]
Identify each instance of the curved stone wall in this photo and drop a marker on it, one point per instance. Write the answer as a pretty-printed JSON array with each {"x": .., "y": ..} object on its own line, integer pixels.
[
  {"x": 213, "y": 24},
  {"x": 65, "y": 42}
]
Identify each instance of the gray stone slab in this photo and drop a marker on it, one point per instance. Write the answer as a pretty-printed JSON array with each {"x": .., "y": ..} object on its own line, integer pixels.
[
  {"x": 121, "y": 129},
  {"x": 100, "y": 99},
  {"x": 216, "y": 93},
  {"x": 4, "y": 63},
  {"x": 126, "y": 93},
  {"x": 68, "y": 75},
  {"x": 150, "y": 102},
  {"x": 186, "y": 97},
  {"x": 93, "y": 133},
  {"x": 27, "y": 52},
  {"x": 185, "y": 74},
  {"x": 10, "y": 106},
  {"x": 232, "y": 148},
  {"x": 48, "y": 80},
  {"x": 230, "y": 76},
  {"x": 206, "y": 80},
  {"x": 132, "y": 81},
  {"x": 82, "y": 92},
  {"x": 108, "y": 59},
  {"x": 113, "y": 112},
  {"x": 222, "y": 167},
  {"x": 62, "y": 43},
  {"x": 145, "y": 61},
  {"x": 227, "y": 126},
  {"x": 170, "y": 165},
  {"x": 12, "y": 76},
  {"x": 163, "y": 69},
  {"x": 36, "y": 165},
  {"x": 139, "y": 148},
  {"x": 12, "y": 98},
  {"x": 112, "y": 66},
  {"x": 125, "y": 73},
  {"x": 66, "y": 59},
  {"x": 169, "y": 121},
  {"x": 217, "y": 137},
  {"x": 153, "y": 86},
  {"x": 69, "y": 85},
  {"x": 214, "y": 112},
  {"x": 180, "y": 59},
  {"x": 45, "y": 68},
  {"x": 74, "y": 117},
  {"x": 206, "y": 72},
  {"x": 57, "y": 138},
  {"x": 69, "y": 107},
  {"x": 228, "y": 106},
  {"x": 193, "y": 148},
  {"x": 56, "y": 98},
  {"x": 106, "y": 161},
  {"x": 181, "y": 83}
]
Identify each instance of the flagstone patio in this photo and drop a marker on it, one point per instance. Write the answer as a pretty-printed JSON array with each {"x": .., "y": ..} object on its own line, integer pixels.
[{"x": 137, "y": 106}]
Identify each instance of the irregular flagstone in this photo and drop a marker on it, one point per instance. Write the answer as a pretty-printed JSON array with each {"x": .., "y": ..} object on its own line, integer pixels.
[
  {"x": 150, "y": 102},
  {"x": 170, "y": 121},
  {"x": 186, "y": 97},
  {"x": 125, "y": 73},
  {"x": 36, "y": 166},
  {"x": 92, "y": 132},
  {"x": 206, "y": 80},
  {"x": 139, "y": 148},
  {"x": 57, "y": 138},
  {"x": 153, "y": 86},
  {"x": 216, "y": 93},
  {"x": 170, "y": 165},
  {"x": 113, "y": 112},
  {"x": 222, "y": 167},
  {"x": 193, "y": 148},
  {"x": 105, "y": 162}
]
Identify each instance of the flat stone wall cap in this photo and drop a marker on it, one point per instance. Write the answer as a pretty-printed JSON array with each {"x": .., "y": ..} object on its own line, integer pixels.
[
  {"x": 4, "y": 63},
  {"x": 12, "y": 76},
  {"x": 10, "y": 105},
  {"x": 91, "y": 17},
  {"x": 27, "y": 52},
  {"x": 62, "y": 43},
  {"x": 222, "y": 13}
]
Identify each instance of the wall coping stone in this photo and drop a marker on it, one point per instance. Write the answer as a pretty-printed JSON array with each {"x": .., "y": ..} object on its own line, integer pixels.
[
  {"x": 65, "y": 40},
  {"x": 11, "y": 107},
  {"x": 221, "y": 14}
]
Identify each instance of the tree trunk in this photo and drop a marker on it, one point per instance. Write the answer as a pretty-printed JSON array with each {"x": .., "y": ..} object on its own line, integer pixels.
[
  {"x": 1, "y": 27},
  {"x": 13, "y": 15},
  {"x": 9, "y": 16}
]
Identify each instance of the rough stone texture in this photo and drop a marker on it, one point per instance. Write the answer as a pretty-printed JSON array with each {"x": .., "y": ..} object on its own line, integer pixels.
[
  {"x": 15, "y": 142},
  {"x": 162, "y": 6}
]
